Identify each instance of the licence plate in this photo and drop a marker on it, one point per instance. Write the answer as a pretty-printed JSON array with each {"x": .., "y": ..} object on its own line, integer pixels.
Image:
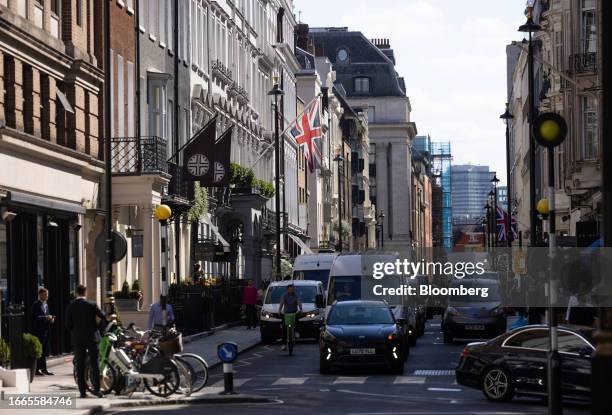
[
  {"x": 363, "y": 351},
  {"x": 474, "y": 327}
]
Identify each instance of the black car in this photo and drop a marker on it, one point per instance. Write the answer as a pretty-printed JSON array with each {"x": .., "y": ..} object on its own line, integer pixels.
[
  {"x": 474, "y": 316},
  {"x": 361, "y": 333},
  {"x": 515, "y": 363}
]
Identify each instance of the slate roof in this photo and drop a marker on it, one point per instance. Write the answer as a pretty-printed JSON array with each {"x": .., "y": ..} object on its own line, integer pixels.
[{"x": 365, "y": 60}]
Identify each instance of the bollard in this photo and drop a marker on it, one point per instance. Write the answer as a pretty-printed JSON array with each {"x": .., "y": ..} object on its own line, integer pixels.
[{"x": 227, "y": 353}]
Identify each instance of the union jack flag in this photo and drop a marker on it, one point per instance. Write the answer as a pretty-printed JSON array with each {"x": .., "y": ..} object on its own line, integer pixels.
[
  {"x": 306, "y": 130},
  {"x": 501, "y": 217}
]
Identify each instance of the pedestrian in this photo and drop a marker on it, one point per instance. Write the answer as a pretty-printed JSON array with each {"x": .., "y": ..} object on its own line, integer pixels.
[
  {"x": 197, "y": 272},
  {"x": 249, "y": 301},
  {"x": 81, "y": 321},
  {"x": 161, "y": 314},
  {"x": 43, "y": 320},
  {"x": 580, "y": 312}
]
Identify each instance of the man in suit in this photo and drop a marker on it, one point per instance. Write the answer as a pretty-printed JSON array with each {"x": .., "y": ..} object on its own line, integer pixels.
[
  {"x": 81, "y": 322},
  {"x": 42, "y": 320}
]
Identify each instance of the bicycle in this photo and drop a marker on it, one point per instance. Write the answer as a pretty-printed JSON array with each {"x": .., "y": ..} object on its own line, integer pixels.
[{"x": 289, "y": 320}]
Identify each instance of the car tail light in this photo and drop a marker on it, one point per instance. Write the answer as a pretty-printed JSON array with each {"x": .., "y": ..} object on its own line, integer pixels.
[{"x": 465, "y": 352}]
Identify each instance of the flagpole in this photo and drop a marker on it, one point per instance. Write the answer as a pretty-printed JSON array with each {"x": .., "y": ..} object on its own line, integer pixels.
[
  {"x": 291, "y": 124},
  {"x": 213, "y": 119}
]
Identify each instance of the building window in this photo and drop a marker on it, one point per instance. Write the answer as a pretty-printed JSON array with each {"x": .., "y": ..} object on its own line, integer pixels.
[
  {"x": 589, "y": 125},
  {"x": 79, "y": 13},
  {"x": 558, "y": 39},
  {"x": 120, "y": 98},
  {"x": 589, "y": 26},
  {"x": 162, "y": 22},
  {"x": 362, "y": 85}
]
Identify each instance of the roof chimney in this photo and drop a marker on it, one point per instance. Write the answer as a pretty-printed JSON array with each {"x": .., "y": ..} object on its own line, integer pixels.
[{"x": 301, "y": 36}]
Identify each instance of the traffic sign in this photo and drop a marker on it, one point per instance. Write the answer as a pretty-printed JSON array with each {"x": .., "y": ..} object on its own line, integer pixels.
[
  {"x": 227, "y": 352},
  {"x": 119, "y": 247}
]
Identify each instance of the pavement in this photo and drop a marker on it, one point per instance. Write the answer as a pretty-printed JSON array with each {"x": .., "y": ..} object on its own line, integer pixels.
[
  {"x": 294, "y": 385},
  {"x": 204, "y": 345}
]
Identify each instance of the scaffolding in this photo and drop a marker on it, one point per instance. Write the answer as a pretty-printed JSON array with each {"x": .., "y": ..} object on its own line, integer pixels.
[{"x": 441, "y": 172}]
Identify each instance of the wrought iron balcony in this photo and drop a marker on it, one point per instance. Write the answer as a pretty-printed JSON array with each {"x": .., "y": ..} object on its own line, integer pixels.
[
  {"x": 178, "y": 186},
  {"x": 584, "y": 62},
  {"x": 133, "y": 155}
]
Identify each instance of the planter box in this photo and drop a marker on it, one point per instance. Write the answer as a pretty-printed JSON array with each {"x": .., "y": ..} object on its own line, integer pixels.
[{"x": 127, "y": 304}]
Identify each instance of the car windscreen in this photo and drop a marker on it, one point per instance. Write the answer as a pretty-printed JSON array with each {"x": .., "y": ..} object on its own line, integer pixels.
[
  {"x": 355, "y": 314},
  {"x": 344, "y": 288},
  {"x": 312, "y": 275},
  {"x": 493, "y": 292},
  {"x": 306, "y": 293}
]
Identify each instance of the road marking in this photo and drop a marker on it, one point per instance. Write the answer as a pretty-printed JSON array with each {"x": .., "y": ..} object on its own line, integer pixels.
[
  {"x": 237, "y": 382},
  {"x": 289, "y": 381},
  {"x": 404, "y": 380},
  {"x": 444, "y": 389},
  {"x": 434, "y": 372},
  {"x": 350, "y": 379}
]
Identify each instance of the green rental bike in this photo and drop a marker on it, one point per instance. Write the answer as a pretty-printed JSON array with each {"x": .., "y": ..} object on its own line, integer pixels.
[{"x": 289, "y": 320}]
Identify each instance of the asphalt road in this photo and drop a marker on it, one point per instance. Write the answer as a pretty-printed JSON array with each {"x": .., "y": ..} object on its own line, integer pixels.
[{"x": 427, "y": 388}]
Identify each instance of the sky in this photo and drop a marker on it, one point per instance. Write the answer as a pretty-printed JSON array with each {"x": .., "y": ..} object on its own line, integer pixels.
[{"x": 452, "y": 55}]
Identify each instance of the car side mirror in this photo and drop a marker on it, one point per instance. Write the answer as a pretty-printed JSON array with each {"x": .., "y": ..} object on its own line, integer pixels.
[
  {"x": 319, "y": 301},
  {"x": 585, "y": 352}
]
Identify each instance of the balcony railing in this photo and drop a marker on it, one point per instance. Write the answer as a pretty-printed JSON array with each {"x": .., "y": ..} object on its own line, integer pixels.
[
  {"x": 584, "y": 62},
  {"x": 178, "y": 186},
  {"x": 130, "y": 155}
]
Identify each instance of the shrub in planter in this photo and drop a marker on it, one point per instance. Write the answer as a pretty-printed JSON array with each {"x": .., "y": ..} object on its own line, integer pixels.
[
  {"x": 5, "y": 353},
  {"x": 32, "y": 351}
]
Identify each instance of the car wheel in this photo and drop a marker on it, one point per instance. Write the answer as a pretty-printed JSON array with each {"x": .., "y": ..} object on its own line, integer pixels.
[
  {"x": 497, "y": 384},
  {"x": 448, "y": 338}
]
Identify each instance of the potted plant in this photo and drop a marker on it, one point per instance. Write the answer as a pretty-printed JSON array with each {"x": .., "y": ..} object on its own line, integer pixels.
[
  {"x": 5, "y": 353},
  {"x": 126, "y": 299},
  {"x": 32, "y": 351}
]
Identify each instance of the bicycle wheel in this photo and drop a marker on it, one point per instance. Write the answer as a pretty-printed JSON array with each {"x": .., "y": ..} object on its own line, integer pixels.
[
  {"x": 187, "y": 375},
  {"x": 168, "y": 384},
  {"x": 108, "y": 377},
  {"x": 200, "y": 368}
]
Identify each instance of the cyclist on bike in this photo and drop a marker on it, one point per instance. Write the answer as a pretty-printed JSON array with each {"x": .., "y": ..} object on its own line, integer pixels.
[{"x": 289, "y": 303}]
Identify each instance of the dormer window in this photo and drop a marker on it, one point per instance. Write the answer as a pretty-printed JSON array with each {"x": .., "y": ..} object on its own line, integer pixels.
[
  {"x": 362, "y": 85},
  {"x": 342, "y": 55}
]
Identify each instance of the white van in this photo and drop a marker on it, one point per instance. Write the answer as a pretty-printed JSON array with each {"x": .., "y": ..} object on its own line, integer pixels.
[{"x": 313, "y": 267}]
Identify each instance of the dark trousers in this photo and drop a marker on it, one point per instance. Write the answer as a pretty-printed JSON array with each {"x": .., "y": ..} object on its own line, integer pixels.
[
  {"x": 81, "y": 351},
  {"x": 251, "y": 319},
  {"x": 41, "y": 363}
]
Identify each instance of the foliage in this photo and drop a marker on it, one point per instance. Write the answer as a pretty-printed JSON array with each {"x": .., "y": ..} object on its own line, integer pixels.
[
  {"x": 243, "y": 177},
  {"x": 286, "y": 268},
  {"x": 5, "y": 353},
  {"x": 200, "y": 203},
  {"x": 136, "y": 285},
  {"x": 345, "y": 227},
  {"x": 32, "y": 348},
  {"x": 126, "y": 293}
]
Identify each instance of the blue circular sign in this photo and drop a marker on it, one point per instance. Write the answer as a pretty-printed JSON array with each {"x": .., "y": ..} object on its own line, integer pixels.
[{"x": 227, "y": 352}]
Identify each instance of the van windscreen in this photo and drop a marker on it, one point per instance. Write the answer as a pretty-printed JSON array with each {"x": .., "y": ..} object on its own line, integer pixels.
[{"x": 344, "y": 288}]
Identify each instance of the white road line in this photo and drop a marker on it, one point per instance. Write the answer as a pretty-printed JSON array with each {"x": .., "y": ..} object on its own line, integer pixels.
[
  {"x": 406, "y": 380},
  {"x": 350, "y": 379},
  {"x": 434, "y": 372},
  {"x": 444, "y": 389},
  {"x": 289, "y": 381},
  {"x": 237, "y": 382}
]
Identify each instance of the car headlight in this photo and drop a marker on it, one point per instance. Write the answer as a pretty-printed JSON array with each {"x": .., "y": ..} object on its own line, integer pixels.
[
  {"x": 267, "y": 315},
  {"x": 312, "y": 314},
  {"x": 328, "y": 337}
]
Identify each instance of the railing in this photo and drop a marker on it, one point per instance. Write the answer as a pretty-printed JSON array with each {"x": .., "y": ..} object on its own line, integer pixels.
[
  {"x": 130, "y": 155},
  {"x": 584, "y": 62},
  {"x": 221, "y": 71},
  {"x": 178, "y": 186}
]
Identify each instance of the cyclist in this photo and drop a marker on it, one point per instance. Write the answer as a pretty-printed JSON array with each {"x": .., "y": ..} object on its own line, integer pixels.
[{"x": 289, "y": 303}]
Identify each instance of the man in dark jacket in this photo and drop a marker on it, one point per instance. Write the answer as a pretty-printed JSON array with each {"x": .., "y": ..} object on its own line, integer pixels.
[
  {"x": 42, "y": 321},
  {"x": 81, "y": 322}
]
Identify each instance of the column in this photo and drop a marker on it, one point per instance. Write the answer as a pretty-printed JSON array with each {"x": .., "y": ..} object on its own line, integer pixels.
[
  {"x": 31, "y": 110},
  {"x": 48, "y": 121}
]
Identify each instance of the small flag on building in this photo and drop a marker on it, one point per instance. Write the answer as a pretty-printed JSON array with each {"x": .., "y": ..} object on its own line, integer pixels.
[
  {"x": 501, "y": 220},
  {"x": 307, "y": 132},
  {"x": 198, "y": 155},
  {"x": 223, "y": 148}
]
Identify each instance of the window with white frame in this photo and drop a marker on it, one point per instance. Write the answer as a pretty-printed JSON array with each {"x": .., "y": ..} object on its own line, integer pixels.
[
  {"x": 362, "y": 85},
  {"x": 170, "y": 24},
  {"x": 589, "y": 126},
  {"x": 157, "y": 108},
  {"x": 163, "y": 4},
  {"x": 558, "y": 49},
  {"x": 589, "y": 26},
  {"x": 120, "y": 98},
  {"x": 131, "y": 93},
  {"x": 143, "y": 15},
  {"x": 153, "y": 25}
]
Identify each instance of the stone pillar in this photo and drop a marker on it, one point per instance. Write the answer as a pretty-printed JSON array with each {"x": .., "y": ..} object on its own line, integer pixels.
[
  {"x": 75, "y": 123},
  {"x": 2, "y": 89},
  {"x": 13, "y": 82},
  {"x": 49, "y": 110},
  {"x": 31, "y": 92}
]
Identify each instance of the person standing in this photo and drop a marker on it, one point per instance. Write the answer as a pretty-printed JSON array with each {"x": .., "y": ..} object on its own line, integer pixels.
[
  {"x": 81, "y": 321},
  {"x": 161, "y": 314},
  {"x": 43, "y": 320},
  {"x": 249, "y": 300}
]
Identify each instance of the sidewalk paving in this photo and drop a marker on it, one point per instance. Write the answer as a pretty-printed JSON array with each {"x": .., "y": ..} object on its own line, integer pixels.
[{"x": 206, "y": 346}]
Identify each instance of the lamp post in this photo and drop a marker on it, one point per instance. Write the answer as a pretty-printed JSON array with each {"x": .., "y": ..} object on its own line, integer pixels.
[
  {"x": 108, "y": 194},
  {"x": 277, "y": 92},
  {"x": 487, "y": 207},
  {"x": 507, "y": 117},
  {"x": 381, "y": 217},
  {"x": 495, "y": 181},
  {"x": 339, "y": 159},
  {"x": 531, "y": 27},
  {"x": 162, "y": 213},
  {"x": 493, "y": 218},
  {"x": 484, "y": 233}
]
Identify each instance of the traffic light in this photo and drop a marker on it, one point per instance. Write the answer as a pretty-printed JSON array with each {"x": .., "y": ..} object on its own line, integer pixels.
[{"x": 549, "y": 129}]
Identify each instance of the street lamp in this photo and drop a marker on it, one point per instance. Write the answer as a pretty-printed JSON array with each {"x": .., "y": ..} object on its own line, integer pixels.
[
  {"x": 507, "y": 117},
  {"x": 277, "y": 92},
  {"x": 495, "y": 180},
  {"x": 381, "y": 217},
  {"x": 162, "y": 213},
  {"x": 339, "y": 159},
  {"x": 487, "y": 207},
  {"x": 531, "y": 27}
]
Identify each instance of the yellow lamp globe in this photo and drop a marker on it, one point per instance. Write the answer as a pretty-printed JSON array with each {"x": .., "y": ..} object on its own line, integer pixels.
[
  {"x": 550, "y": 130},
  {"x": 163, "y": 212},
  {"x": 542, "y": 207}
]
